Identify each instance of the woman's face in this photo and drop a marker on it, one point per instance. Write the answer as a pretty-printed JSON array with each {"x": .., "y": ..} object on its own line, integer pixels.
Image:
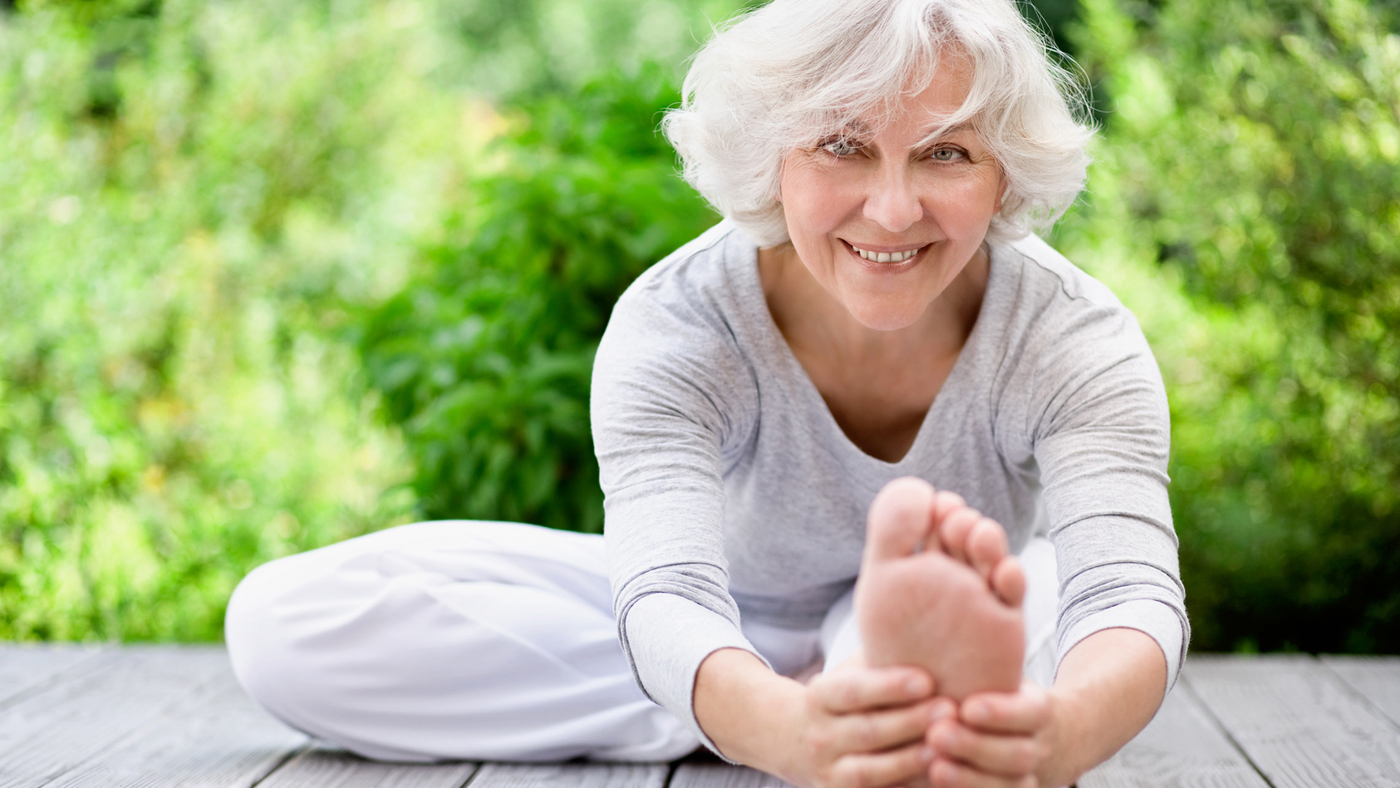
[{"x": 884, "y": 221}]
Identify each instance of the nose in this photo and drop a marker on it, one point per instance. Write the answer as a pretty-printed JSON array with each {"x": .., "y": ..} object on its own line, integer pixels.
[{"x": 892, "y": 201}]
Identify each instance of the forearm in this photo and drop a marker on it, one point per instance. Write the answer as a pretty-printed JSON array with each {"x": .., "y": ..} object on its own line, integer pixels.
[
  {"x": 1108, "y": 688},
  {"x": 747, "y": 710}
]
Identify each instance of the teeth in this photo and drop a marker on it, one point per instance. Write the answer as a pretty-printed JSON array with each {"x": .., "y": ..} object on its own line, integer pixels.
[{"x": 886, "y": 257}]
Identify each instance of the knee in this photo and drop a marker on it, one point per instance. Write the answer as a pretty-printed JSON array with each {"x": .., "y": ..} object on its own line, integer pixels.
[{"x": 259, "y": 646}]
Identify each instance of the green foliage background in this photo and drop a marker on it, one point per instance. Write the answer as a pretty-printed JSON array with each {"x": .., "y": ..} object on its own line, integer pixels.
[{"x": 274, "y": 275}]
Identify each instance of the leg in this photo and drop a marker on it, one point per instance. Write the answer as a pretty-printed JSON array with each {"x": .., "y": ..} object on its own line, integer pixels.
[
  {"x": 937, "y": 589},
  {"x": 448, "y": 640}
]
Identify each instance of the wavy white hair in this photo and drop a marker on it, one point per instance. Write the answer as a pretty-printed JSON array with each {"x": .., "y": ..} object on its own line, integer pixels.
[{"x": 796, "y": 72}]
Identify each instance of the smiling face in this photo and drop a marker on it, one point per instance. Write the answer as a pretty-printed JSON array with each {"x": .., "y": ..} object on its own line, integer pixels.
[{"x": 884, "y": 221}]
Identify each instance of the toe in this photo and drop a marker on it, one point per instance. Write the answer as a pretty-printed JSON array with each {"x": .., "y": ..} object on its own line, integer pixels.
[
  {"x": 954, "y": 531},
  {"x": 901, "y": 519},
  {"x": 986, "y": 546},
  {"x": 1009, "y": 581}
]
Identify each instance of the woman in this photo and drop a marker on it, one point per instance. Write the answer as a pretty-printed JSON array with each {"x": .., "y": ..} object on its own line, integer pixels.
[{"x": 773, "y": 407}]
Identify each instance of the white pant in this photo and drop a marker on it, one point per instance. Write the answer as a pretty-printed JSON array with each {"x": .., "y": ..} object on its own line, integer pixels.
[{"x": 490, "y": 641}]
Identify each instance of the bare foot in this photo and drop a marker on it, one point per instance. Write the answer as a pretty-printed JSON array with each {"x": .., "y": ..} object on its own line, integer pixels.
[{"x": 937, "y": 589}]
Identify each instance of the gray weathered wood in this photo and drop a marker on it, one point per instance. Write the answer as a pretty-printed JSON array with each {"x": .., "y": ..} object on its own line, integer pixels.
[
  {"x": 48, "y": 732},
  {"x": 1182, "y": 747},
  {"x": 571, "y": 775},
  {"x": 217, "y": 737},
  {"x": 722, "y": 775},
  {"x": 26, "y": 667},
  {"x": 1377, "y": 679},
  {"x": 321, "y": 768},
  {"x": 1296, "y": 721}
]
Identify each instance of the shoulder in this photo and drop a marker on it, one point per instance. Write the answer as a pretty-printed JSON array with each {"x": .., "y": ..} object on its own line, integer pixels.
[
  {"x": 694, "y": 303},
  {"x": 1072, "y": 348},
  {"x": 673, "y": 339},
  {"x": 1051, "y": 281},
  {"x": 1053, "y": 303},
  {"x": 693, "y": 282}
]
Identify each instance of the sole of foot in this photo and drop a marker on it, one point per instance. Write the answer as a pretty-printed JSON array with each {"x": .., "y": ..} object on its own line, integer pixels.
[{"x": 937, "y": 589}]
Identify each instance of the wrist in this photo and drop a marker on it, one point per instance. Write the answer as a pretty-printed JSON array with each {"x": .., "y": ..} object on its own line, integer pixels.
[
  {"x": 1108, "y": 688},
  {"x": 749, "y": 712},
  {"x": 1067, "y": 738}
]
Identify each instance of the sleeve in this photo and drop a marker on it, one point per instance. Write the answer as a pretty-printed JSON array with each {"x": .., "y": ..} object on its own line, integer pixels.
[
  {"x": 669, "y": 391},
  {"x": 1099, "y": 429}
]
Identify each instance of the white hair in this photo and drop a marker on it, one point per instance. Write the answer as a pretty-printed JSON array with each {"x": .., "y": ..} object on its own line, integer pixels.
[{"x": 796, "y": 72}]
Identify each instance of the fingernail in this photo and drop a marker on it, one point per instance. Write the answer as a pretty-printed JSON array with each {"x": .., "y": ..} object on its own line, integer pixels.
[
  {"x": 938, "y": 711},
  {"x": 916, "y": 687},
  {"x": 926, "y": 754}
]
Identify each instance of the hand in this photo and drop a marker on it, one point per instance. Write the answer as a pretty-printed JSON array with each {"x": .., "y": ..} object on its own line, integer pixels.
[
  {"x": 865, "y": 728},
  {"x": 998, "y": 740}
]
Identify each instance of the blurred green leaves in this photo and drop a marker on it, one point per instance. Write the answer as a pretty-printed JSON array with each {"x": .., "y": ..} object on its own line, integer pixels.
[
  {"x": 266, "y": 285},
  {"x": 185, "y": 230},
  {"x": 1253, "y": 159},
  {"x": 485, "y": 357}
]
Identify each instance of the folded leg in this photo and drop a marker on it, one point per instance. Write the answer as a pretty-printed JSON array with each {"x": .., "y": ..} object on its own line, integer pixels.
[{"x": 448, "y": 640}]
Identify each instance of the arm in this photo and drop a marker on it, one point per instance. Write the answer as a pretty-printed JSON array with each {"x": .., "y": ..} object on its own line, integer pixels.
[{"x": 1088, "y": 411}]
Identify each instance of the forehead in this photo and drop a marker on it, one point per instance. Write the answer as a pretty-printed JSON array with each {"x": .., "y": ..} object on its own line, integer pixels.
[
  {"x": 938, "y": 100},
  {"x": 928, "y": 104}
]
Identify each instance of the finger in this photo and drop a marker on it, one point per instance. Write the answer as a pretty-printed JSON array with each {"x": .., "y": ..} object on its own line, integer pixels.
[
  {"x": 986, "y": 546},
  {"x": 900, "y": 519},
  {"x": 1009, "y": 581},
  {"x": 1024, "y": 712},
  {"x": 954, "y": 529},
  {"x": 946, "y": 774},
  {"x": 889, "y": 728},
  {"x": 993, "y": 753},
  {"x": 858, "y": 689},
  {"x": 867, "y": 770}
]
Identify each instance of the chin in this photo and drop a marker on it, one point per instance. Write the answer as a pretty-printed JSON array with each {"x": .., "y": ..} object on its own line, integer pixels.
[{"x": 885, "y": 316}]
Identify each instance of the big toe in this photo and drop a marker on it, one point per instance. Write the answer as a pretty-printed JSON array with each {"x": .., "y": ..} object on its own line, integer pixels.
[{"x": 901, "y": 519}]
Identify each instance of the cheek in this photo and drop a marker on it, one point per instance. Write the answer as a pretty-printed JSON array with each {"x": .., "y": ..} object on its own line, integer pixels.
[{"x": 967, "y": 201}]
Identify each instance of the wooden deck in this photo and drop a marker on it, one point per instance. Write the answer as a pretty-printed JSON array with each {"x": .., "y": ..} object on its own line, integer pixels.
[{"x": 173, "y": 716}]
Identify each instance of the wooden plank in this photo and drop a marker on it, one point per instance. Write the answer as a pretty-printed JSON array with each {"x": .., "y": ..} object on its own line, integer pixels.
[
  {"x": 1297, "y": 722},
  {"x": 1377, "y": 679},
  {"x": 1181, "y": 748},
  {"x": 571, "y": 775},
  {"x": 25, "y": 667},
  {"x": 322, "y": 768},
  {"x": 218, "y": 737},
  {"x": 47, "y": 733},
  {"x": 722, "y": 775}
]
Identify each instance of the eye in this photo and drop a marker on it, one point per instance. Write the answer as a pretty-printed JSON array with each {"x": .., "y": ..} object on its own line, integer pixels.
[
  {"x": 840, "y": 147},
  {"x": 947, "y": 154}
]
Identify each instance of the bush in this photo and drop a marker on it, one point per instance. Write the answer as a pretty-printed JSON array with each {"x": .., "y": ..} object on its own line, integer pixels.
[
  {"x": 485, "y": 357},
  {"x": 1252, "y": 165},
  {"x": 192, "y": 203}
]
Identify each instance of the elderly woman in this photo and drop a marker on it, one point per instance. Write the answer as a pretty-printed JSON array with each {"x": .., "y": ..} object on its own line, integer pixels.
[{"x": 776, "y": 407}]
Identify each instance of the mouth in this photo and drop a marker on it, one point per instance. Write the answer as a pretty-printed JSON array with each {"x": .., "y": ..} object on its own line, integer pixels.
[{"x": 886, "y": 260}]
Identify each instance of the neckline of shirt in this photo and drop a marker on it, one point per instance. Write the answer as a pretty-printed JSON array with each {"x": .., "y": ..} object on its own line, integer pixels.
[{"x": 923, "y": 451}]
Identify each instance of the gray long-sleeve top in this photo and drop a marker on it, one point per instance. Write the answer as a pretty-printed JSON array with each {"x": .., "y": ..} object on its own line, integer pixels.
[{"x": 730, "y": 488}]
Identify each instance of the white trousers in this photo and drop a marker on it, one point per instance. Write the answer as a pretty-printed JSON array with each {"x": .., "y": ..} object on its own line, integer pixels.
[{"x": 490, "y": 641}]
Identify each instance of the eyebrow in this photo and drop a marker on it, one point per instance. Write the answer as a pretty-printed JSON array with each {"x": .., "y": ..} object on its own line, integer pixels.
[{"x": 953, "y": 129}]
